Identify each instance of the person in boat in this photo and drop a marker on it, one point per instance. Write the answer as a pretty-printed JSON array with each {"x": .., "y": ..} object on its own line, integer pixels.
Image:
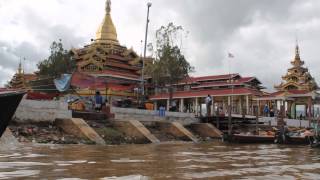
[
  {"x": 283, "y": 133},
  {"x": 98, "y": 100}
]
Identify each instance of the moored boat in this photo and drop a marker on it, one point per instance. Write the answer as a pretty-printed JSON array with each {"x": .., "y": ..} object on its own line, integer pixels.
[
  {"x": 244, "y": 138},
  {"x": 9, "y": 102}
]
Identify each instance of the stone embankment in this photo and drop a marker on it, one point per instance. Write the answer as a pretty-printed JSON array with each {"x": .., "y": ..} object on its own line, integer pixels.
[{"x": 52, "y": 122}]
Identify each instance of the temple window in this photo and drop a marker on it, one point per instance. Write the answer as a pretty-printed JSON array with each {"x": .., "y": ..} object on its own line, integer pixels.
[
  {"x": 291, "y": 87},
  {"x": 187, "y": 88},
  {"x": 91, "y": 67}
]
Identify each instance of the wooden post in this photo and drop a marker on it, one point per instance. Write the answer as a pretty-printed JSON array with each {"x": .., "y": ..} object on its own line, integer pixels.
[
  {"x": 281, "y": 116},
  {"x": 257, "y": 118},
  {"x": 247, "y": 104},
  {"x": 229, "y": 121},
  {"x": 241, "y": 107},
  {"x": 217, "y": 115},
  {"x": 310, "y": 111}
]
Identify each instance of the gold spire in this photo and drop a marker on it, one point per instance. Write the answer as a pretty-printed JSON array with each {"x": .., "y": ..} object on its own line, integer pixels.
[
  {"x": 297, "y": 57},
  {"x": 20, "y": 70},
  {"x": 107, "y": 32}
]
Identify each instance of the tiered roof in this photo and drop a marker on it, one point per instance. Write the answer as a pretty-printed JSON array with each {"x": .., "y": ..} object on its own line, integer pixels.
[
  {"x": 105, "y": 56},
  {"x": 20, "y": 79},
  {"x": 219, "y": 85},
  {"x": 297, "y": 77}
]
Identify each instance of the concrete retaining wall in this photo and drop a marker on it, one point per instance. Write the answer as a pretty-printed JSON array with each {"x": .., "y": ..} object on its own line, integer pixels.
[
  {"x": 146, "y": 116},
  {"x": 41, "y": 111},
  {"x": 136, "y": 130},
  {"x": 290, "y": 122},
  {"x": 79, "y": 128}
]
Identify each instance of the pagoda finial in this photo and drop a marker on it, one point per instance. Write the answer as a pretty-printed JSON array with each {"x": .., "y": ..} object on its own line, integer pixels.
[
  {"x": 108, "y": 6},
  {"x": 107, "y": 32},
  {"x": 20, "y": 67},
  {"x": 297, "y": 51}
]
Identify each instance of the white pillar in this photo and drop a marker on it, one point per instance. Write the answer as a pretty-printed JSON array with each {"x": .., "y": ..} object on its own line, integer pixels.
[
  {"x": 181, "y": 104},
  {"x": 168, "y": 105},
  {"x": 229, "y": 104},
  {"x": 212, "y": 107},
  {"x": 247, "y": 104},
  {"x": 196, "y": 107},
  {"x": 240, "y": 105},
  {"x": 155, "y": 105}
]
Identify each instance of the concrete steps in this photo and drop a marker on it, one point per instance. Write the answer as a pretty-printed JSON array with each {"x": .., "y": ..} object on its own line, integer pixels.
[
  {"x": 178, "y": 130},
  {"x": 206, "y": 130},
  {"x": 136, "y": 129},
  {"x": 79, "y": 128},
  {"x": 8, "y": 139}
]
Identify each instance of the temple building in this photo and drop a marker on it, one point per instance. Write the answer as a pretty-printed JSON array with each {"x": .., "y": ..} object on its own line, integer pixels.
[
  {"x": 298, "y": 77},
  {"x": 297, "y": 92},
  {"x": 231, "y": 89},
  {"x": 20, "y": 80},
  {"x": 105, "y": 64}
]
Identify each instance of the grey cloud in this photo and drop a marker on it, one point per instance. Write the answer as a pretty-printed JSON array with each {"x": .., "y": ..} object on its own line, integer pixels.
[{"x": 259, "y": 32}]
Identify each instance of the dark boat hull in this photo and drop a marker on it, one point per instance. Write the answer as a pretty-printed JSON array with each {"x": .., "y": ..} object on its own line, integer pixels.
[
  {"x": 299, "y": 140},
  {"x": 252, "y": 139},
  {"x": 8, "y": 104}
]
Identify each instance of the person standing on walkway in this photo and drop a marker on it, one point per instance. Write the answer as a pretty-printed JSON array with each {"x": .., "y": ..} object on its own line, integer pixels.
[
  {"x": 98, "y": 101},
  {"x": 208, "y": 102}
]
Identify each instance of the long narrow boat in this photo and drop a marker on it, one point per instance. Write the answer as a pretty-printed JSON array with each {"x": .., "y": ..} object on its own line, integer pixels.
[
  {"x": 9, "y": 102},
  {"x": 298, "y": 140},
  {"x": 243, "y": 138}
]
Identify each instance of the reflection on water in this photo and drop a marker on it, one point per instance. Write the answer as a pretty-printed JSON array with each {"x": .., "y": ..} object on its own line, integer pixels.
[{"x": 164, "y": 161}]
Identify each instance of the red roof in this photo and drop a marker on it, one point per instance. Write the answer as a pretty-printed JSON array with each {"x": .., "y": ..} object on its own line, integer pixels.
[
  {"x": 216, "y": 77},
  {"x": 292, "y": 92},
  {"x": 121, "y": 65},
  {"x": 118, "y": 74},
  {"x": 82, "y": 80},
  {"x": 190, "y": 80},
  {"x": 237, "y": 82},
  {"x": 204, "y": 93}
]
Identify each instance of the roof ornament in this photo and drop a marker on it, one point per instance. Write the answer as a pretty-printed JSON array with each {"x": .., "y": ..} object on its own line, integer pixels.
[
  {"x": 297, "y": 57},
  {"x": 108, "y": 6}
]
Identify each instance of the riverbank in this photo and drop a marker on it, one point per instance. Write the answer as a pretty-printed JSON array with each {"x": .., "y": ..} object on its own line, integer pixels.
[{"x": 49, "y": 133}]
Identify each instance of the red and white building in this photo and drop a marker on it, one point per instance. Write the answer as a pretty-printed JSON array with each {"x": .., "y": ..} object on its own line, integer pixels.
[{"x": 189, "y": 94}]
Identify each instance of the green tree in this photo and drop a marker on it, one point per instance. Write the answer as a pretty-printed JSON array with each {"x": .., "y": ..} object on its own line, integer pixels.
[
  {"x": 59, "y": 62},
  {"x": 170, "y": 65}
]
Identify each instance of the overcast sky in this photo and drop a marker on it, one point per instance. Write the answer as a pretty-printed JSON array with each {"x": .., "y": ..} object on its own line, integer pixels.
[{"x": 260, "y": 33}]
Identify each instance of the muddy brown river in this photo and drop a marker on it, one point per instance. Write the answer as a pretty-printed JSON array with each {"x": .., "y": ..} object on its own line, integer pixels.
[{"x": 214, "y": 160}]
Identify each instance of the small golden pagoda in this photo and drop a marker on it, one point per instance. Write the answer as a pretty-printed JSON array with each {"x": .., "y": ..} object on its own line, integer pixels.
[
  {"x": 20, "y": 79},
  {"x": 298, "y": 77},
  {"x": 107, "y": 60}
]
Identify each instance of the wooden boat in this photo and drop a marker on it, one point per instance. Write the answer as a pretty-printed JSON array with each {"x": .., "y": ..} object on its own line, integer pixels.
[
  {"x": 9, "y": 102},
  {"x": 298, "y": 140},
  {"x": 243, "y": 138}
]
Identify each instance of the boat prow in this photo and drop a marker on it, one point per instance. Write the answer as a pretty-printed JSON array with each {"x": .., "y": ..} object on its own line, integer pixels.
[{"x": 9, "y": 101}]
